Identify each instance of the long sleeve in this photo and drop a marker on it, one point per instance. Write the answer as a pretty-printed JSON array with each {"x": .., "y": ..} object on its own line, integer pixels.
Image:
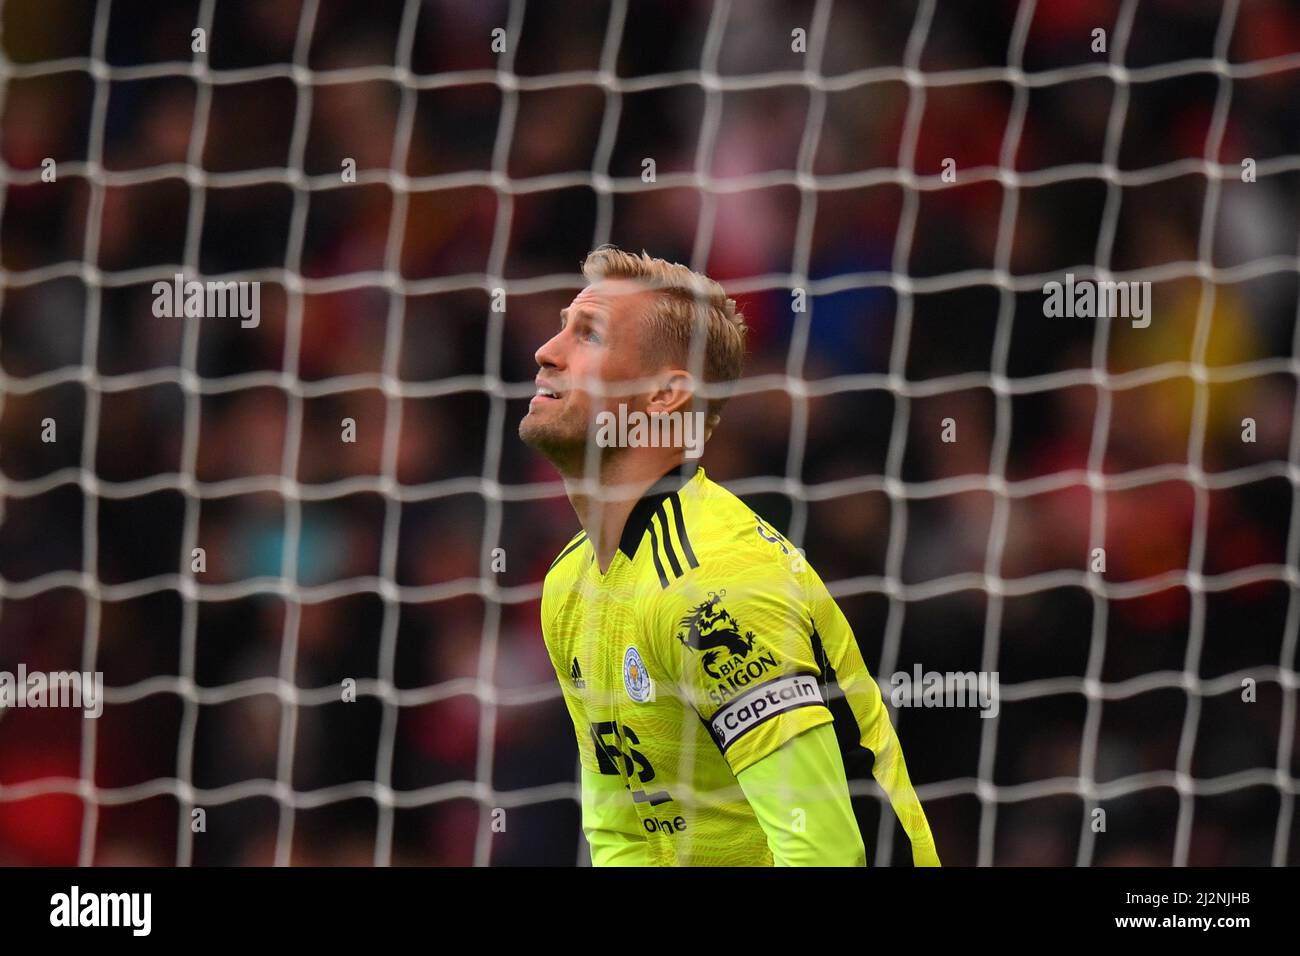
[
  {"x": 611, "y": 823},
  {"x": 890, "y": 771},
  {"x": 890, "y": 768},
  {"x": 844, "y": 664},
  {"x": 801, "y": 798}
]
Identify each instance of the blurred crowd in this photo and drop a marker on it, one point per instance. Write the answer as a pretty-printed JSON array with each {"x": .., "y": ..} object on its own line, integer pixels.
[{"x": 161, "y": 454}]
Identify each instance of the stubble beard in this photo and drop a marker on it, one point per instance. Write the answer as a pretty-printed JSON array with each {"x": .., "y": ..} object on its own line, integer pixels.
[{"x": 562, "y": 441}]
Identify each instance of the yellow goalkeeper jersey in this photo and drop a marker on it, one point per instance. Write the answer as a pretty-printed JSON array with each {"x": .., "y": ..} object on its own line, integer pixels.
[{"x": 707, "y": 644}]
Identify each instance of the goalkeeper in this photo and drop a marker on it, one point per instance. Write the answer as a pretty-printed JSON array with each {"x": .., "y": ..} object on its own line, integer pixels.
[{"x": 697, "y": 652}]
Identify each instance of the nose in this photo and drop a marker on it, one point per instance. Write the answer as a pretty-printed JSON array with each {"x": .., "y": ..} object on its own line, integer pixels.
[{"x": 550, "y": 355}]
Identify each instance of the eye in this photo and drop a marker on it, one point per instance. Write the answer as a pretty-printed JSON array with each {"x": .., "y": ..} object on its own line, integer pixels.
[{"x": 591, "y": 335}]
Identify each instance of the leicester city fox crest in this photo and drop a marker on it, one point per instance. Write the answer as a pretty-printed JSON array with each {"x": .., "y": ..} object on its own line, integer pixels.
[
  {"x": 710, "y": 628},
  {"x": 636, "y": 679}
]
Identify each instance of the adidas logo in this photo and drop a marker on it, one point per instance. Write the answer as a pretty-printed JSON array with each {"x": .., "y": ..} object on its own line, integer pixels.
[{"x": 576, "y": 673}]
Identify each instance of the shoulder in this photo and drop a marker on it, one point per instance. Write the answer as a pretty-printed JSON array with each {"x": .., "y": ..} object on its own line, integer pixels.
[
  {"x": 564, "y": 569},
  {"x": 567, "y": 552},
  {"x": 736, "y": 540},
  {"x": 742, "y": 617},
  {"x": 733, "y": 551}
]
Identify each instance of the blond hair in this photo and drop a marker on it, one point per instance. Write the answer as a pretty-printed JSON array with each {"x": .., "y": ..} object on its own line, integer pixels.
[{"x": 684, "y": 301}]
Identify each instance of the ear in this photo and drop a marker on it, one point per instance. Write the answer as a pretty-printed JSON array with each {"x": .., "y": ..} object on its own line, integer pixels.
[{"x": 673, "y": 392}]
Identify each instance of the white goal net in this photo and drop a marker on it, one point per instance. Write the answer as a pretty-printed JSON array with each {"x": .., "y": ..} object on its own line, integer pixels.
[{"x": 304, "y": 547}]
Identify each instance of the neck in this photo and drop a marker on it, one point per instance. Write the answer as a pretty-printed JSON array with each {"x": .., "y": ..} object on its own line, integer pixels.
[{"x": 623, "y": 481}]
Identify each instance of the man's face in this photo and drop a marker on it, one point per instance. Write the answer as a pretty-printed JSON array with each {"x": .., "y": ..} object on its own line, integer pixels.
[{"x": 591, "y": 365}]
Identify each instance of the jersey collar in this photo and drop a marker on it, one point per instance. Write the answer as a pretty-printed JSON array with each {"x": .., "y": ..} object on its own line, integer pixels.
[{"x": 638, "y": 521}]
